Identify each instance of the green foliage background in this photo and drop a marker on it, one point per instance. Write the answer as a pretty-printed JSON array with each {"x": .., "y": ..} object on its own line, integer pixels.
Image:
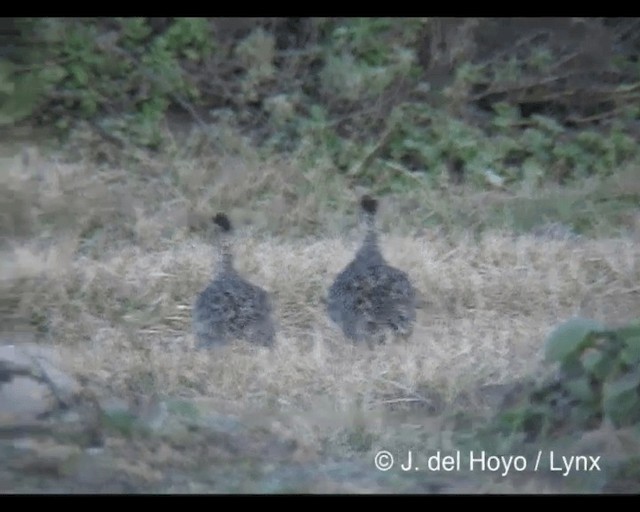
[{"x": 497, "y": 100}]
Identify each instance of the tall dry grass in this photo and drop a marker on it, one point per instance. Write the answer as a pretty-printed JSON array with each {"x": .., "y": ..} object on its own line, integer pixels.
[{"x": 106, "y": 263}]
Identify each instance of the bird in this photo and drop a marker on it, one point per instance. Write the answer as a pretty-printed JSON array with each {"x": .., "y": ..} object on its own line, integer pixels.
[
  {"x": 231, "y": 307},
  {"x": 370, "y": 298}
]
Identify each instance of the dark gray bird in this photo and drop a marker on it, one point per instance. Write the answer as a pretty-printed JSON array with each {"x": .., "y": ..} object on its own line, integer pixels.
[
  {"x": 369, "y": 297},
  {"x": 231, "y": 307}
]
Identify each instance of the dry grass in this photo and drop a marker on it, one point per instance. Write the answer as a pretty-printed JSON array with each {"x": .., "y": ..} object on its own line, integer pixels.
[{"x": 107, "y": 264}]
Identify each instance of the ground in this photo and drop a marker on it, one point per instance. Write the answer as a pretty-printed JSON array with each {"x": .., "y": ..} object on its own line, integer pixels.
[{"x": 102, "y": 264}]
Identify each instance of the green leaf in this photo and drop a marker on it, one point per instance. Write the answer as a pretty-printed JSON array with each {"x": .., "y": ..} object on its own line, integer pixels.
[
  {"x": 53, "y": 74},
  {"x": 630, "y": 331},
  {"x": 580, "y": 389},
  {"x": 135, "y": 28},
  {"x": 571, "y": 368},
  {"x": 582, "y": 414},
  {"x": 7, "y": 74},
  {"x": 22, "y": 100},
  {"x": 620, "y": 400},
  {"x": 547, "y": 123},
  {"x": 591, "y": 360},
  {"x": 600, "y": 364},
  {"x": 569, "y": 338},
  {"x": 122, "y": 422},
  {"x": 532, "y": 170},
  {"x": 183, "y": 408},
  {"x": 191, "y": 54},
  {"x": 631, "y": 352},
  {"x": 79, "y": 73}
]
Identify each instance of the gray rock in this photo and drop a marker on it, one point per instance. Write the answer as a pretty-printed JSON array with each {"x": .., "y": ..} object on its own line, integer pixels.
[{"x": 32, "y": 383}]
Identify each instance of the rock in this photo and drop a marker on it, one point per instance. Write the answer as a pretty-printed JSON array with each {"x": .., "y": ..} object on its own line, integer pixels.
[
  {"x": 32, "y": 383},
  {"x": 23, "y": 400}
]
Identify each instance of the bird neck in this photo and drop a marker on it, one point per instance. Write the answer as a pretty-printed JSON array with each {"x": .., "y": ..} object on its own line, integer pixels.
[
  {"x": 369, "y": 247},
  {"x": 225, "y": 258},
  {"x": 371, "y": 239}
]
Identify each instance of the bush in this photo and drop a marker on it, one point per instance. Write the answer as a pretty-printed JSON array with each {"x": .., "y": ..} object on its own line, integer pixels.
[
  {"x": 498, "y": 101},
  {"x": 598, "y": 380}
]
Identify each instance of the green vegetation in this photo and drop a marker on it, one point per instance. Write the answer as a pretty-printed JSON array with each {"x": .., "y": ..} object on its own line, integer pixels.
[
  {"x": 371, "y": 96},
  {"x": 598, "y": 380},
  {"x": 587, "y": 404}
]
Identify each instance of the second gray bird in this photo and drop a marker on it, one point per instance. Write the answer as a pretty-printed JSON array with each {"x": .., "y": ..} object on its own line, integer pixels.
[{"x": 370, "y": 298}]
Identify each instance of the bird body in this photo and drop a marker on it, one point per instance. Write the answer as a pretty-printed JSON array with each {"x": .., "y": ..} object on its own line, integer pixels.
[
  {"x": 231, "y": 307},
  {"x": 370, "y": 297}
]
